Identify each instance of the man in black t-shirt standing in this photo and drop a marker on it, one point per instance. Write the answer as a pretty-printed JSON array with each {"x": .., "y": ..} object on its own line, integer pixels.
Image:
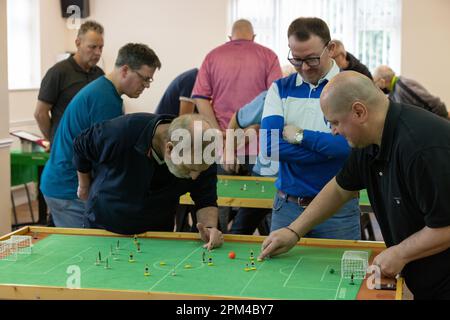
[
  {"x": 401, "y": 155},
  {"x": 63, "y": 81}
]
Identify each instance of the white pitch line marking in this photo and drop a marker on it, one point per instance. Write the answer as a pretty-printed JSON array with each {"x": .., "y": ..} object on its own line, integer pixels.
[
  {"x": 44, "y": 256},
  {"x": 310, "y": 288},
  {"x": 187, "y": 257},
  {"x": 292, "y": 272},
  {"x": 323, "y": 275},
  {"x": 251, "y": 279},
  {"x": 77, "y": 255},
  {"x": 337, "y": 290}
]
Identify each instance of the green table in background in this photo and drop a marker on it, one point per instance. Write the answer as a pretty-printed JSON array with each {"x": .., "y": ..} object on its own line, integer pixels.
[
  {"x": 27, "y": 167},
  {"x": 259, "y": 192},
  {"x": 253, "y": 192},
  {"x": 233, "y": 191}
]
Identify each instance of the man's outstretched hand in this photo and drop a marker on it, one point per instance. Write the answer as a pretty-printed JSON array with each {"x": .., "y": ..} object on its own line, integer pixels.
[
  {"x": 278, "y": 241},
  {"x": 212, "y": 236}
]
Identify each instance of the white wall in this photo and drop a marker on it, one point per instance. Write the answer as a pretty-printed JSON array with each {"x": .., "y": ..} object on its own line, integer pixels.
[
  {"x": 5, "y": 204},
  {"x": 426, "y": 44},
  {"x": 180, "y": 32},
  {"x": 53, "y": 33},
  {"x": 53, "y": 38}
]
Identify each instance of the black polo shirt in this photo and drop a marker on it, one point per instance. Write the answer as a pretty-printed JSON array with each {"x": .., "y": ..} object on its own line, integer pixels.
[
  {"x": 130, "y": 192},
  {"x": 61, "y": 83},
  {"x": 356, "y": 65},
  {"x": 408, "y": 183}
]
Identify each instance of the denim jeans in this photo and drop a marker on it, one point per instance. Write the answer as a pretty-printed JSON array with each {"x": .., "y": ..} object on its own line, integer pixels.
[
  {"x": 247, "y": 220},
  {"x": 344, "y": 224},
  {"x": 67, "y": 213}
]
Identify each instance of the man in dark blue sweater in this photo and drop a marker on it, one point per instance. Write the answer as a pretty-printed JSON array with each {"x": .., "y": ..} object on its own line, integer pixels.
[
  {"x": 129, "y": 173},
  {"x": 177, "y": 97}
]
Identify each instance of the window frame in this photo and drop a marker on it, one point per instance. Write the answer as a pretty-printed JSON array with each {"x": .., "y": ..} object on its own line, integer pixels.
[{"x": 23, "y": 42}]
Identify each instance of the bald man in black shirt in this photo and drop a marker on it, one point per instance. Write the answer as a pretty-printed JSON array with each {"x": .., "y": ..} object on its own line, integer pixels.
[{"x": 402, "y": 157}]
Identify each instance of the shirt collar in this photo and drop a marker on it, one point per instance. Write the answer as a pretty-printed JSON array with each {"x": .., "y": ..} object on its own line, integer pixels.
[
  {"x": 240, "y": 40},
  {"x": 155, "y": 155},
  {"x": 144, "y": 142},
  {"x": 78, "y": 68},
  {"x": 113, "y": 87},
  {"x": 351, "y": 59},
  {"x": 393, "y": 83},
  {"x": 333, "y": 72},
  {"x": 390, "y": 124}
]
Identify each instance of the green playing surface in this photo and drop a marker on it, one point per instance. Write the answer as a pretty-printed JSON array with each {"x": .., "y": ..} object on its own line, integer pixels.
[
  {"x": 259, "y": 190},
  {"x": 303, "y": 273},
  {"x": 246, "y": 189}
]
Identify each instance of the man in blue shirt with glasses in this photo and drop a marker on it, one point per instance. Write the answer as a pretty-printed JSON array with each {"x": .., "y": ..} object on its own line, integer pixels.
[{"x": 98, "y": 101}]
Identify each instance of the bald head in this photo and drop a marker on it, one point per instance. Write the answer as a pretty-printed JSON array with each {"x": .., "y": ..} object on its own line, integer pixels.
[
  {"x": 194, "y": 125},
  {"x": 383, "y": 72},
  {"x": 347, "y": 88},
  {"x": 339, "y": 54},
  {"x": 355, "y": 108},
  {"x": 185, "y": 145},
  {"x": 339, "y": 45},
  {"x": 339, "y": 49},
  {"x": 242, "y": 30},
  {"x": 187, "y": 122}
]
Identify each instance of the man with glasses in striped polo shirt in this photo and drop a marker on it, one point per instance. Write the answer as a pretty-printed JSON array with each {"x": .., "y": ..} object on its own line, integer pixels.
[{"x": 309, "y": 155}]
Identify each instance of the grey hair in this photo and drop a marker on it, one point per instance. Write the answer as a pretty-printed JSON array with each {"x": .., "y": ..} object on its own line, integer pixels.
[{"x": 90, "y": 25}]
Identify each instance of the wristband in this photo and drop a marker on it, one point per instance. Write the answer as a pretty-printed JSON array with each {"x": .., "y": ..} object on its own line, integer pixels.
[{"x": 293, "y": 231}]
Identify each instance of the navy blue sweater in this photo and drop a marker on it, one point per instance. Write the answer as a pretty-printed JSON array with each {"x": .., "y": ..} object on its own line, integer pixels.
[{"x": 130, "y": 192}]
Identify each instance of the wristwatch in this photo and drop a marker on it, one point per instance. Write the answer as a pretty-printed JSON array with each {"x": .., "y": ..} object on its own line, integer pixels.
[{"x": 298, "y": 137}]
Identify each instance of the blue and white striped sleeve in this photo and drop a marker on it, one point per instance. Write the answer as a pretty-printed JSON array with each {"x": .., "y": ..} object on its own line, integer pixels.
[{"x": 272, "y": 126}]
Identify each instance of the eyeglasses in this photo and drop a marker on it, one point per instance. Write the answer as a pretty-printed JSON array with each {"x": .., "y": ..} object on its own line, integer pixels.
[
  {"x": 312, "y": 61},
  {"x": 146, "y": 80}
]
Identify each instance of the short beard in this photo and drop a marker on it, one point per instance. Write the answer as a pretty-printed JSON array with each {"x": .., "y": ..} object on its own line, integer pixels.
[{"x": 174, "y": 170}]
